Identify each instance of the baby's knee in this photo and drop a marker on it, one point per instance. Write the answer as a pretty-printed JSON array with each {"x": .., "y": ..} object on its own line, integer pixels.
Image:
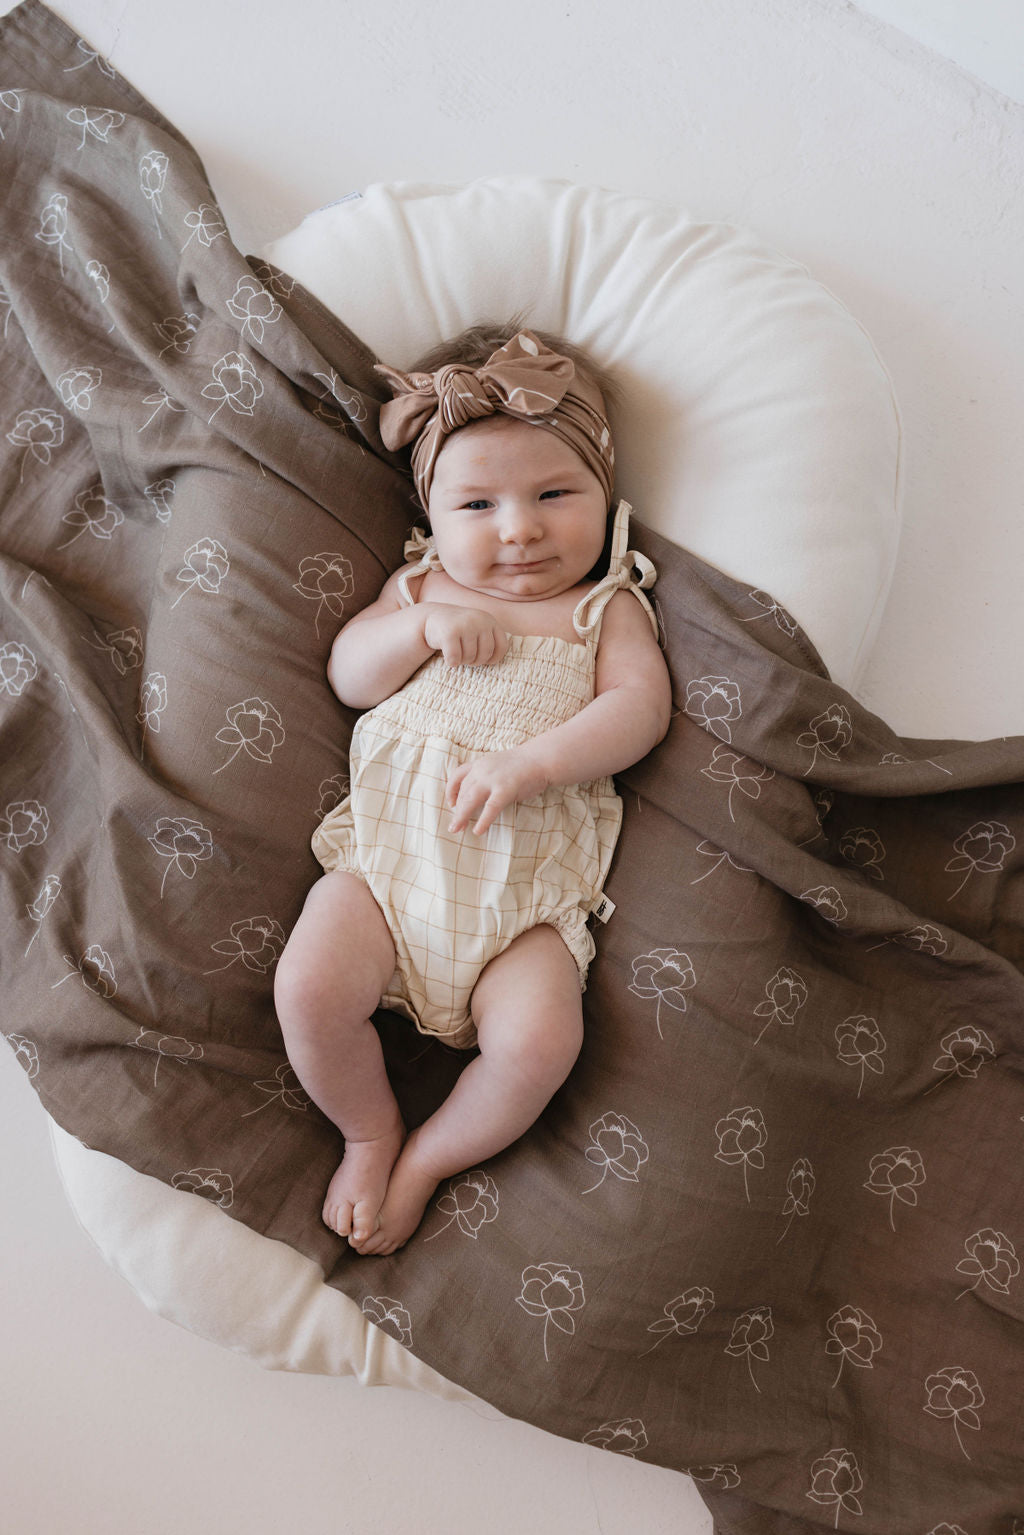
[
  {"x": 299, "y": 990},
  {"x": 537, "y": 1043}
]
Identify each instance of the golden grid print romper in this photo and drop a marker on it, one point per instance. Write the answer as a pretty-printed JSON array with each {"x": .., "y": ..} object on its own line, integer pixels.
[{"x": 453, "y": 902}]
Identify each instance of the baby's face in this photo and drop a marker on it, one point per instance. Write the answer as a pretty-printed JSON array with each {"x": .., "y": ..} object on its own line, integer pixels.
[{"x": 514, "y": 511}]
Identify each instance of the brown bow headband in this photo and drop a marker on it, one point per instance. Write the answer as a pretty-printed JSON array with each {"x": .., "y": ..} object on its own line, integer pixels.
[{"x": 523, "y": 379}]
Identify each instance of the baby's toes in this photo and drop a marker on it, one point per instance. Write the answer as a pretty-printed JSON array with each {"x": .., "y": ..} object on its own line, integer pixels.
[
  {"x": 337, "y": 1214},
  {"x": 365, "y": 1222},
  {"x": 374, "y": 1246}
]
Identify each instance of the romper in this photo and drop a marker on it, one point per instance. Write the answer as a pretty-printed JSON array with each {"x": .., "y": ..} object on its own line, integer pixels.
[{"x": 453, "y": 902}]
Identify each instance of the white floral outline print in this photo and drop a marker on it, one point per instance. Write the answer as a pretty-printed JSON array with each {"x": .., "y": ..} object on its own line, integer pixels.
[
  {"x": 697, "y": 1303},
  {"x": 177, "y": 332},
  {"x": 26, "y": 1053},
  {"x": 11, "y": 102},
  {"x": 93, "y": 513},
  {"x": 253, "y": 726},
  {"x": 171, "y": 1047},
  {"x": 332, "y": 791},
  {"x": 38, "y": 432},
  {"x": 926, "y": 939},
  {"x": 785, "y": 995},
  {"x": 279, "y": 283},
  {"x": 18, "y": 667},
  {"x": 982, "y": 849},
  {"x": 625, "y": 1436},
  {"x": 727, "y": 766},
  {"x": 123, "y": 648},
  {"x": 152, "y": 703},
  {"x": 713, "y": 702},
  {"x": 860, "y": 1042},
  {"x": 39, "y": 909},
  {"x": 92, "y": 57},
  {"x": 25, "y": 823},
  {"x": 285, "y": 1088},
  {"x": 256, "y": 941},
  {"x": 665, "y": 974},
  {"x": 100, "y": 122},
  {"x": 751, "y": 1334},
  {"x": 351, "y": 404},
  {"x": 828, "y": 902},
  {"x": 326, "y": 579},
  {"x": 473, "y": 1212},
  {"x": 236, "y": 384},
  {"x": 183, "y": 843},
  {"x": 723, "y": 1476},
  {"x": 162, "y": 400},
  {"x": 256, "y": 307},
  {"x": 159, "y": 495},
  {"x": 862, "y": 847},
  {"x": 896, "y": 1174},
  {"x": 96, "y": 969},
  {"x": 76, "y": 387},
  {"x": 555, "y": 1292},
  {"x": 390, "y": 1316},
  {"x": 992, "y": 1259},
  {"x": 853, "y": 1335},
  {"x": 799, "y": 1187},
  {"x": 741, "y": 1136},
  {"x": 206, "y": 225},
  {"x": 955, "y": 1393},
  {"x": 964, "y": 1052},
  {"x": 708, "y": 850},
  {"x": 53, "y": 226},
  {"x": 829, "y": 733},
  {"x": 210, "y": 1183},
  {"x": 153, "y": 168},
  {"x": 616, "y": 1146},
  {"x": 206, "y": 566},
  {"x": 836, "y": 1479},
  {"x": 772, "y": 609}
]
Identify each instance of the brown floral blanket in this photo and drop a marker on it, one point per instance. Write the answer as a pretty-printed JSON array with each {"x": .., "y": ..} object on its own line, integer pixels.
[{"x": 770, "y": 1231}]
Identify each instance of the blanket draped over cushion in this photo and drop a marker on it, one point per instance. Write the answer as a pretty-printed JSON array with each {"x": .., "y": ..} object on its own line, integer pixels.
[{"x": 770, "y": 1232}]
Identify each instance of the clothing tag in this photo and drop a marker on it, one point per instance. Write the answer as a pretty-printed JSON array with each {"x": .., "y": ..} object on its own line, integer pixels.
[{"x": 603, "y": 908}]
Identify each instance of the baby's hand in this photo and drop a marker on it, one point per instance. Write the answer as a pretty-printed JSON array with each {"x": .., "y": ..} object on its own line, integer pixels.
[
  {"x": 484, "y": 787},
  {"x": 464, "y": 636}
]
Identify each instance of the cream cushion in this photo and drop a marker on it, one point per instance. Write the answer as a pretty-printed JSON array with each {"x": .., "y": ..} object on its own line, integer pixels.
[{"x": 756, "y": 426}]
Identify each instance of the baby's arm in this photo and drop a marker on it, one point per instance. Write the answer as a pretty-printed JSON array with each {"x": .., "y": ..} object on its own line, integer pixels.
[
  {"x": 628, "y": 716},
  {"x": 378, "y": 650}
]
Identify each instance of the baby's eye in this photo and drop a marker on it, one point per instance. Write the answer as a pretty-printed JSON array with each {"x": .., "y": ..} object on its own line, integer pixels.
[
  {"x": 547, "y": 495},
  {"x": 477, "y": 506}
]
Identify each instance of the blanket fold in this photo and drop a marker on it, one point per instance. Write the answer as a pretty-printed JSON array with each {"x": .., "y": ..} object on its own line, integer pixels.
[{"x": 770, "y": 1230}]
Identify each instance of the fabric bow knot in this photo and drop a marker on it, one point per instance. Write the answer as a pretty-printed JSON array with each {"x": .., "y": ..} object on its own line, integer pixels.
[{"x": 523, "y": 379}]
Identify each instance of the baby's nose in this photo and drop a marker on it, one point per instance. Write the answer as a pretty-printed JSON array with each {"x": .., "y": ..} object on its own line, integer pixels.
[{"x": 520, "y": 524}]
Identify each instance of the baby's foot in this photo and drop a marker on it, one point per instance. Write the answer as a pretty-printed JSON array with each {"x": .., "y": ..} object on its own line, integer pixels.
[
  {"x": 408, "y": 1194},
  {"x": 356, "y": 1192}
]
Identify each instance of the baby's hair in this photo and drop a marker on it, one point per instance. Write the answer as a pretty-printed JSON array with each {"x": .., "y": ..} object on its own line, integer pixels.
[{"x": 474, "y": 346}]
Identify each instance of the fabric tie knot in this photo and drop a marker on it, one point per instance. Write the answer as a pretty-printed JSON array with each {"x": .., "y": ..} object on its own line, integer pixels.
[{"x": 462, "y": 396}]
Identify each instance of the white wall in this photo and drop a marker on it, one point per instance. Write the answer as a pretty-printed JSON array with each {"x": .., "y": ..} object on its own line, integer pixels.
[
  {"x": 897, "y": 179},
  {"x": 985, "y": 37}
]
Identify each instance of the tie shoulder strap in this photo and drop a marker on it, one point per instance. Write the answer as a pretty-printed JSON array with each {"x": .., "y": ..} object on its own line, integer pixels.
[
  {"x": 421, "y": 556},
  {"x": 628, "y": 570}
]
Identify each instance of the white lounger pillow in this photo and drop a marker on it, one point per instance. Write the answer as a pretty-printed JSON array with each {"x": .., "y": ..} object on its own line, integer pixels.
[{"x": 757, "y": 427}]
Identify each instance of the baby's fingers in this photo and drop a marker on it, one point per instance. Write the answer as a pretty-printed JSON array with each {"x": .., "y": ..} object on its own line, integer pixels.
[{"x": 455, "y": 778}]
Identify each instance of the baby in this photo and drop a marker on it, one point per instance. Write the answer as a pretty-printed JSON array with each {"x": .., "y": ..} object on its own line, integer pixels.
[{"x": 507, "y": 671}]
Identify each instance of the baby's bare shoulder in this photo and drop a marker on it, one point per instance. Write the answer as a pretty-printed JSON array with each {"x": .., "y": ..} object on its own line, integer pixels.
[{"x": 628, "y": 650}]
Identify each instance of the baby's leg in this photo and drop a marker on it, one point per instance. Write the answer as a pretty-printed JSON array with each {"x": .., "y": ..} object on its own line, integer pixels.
[
  {"x": 338, "y": 961},
  {"x": 529, "y": 1019}
]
